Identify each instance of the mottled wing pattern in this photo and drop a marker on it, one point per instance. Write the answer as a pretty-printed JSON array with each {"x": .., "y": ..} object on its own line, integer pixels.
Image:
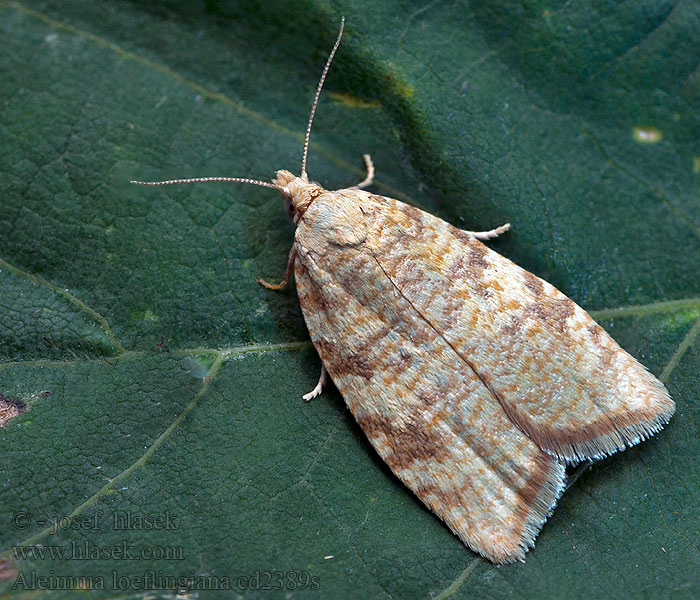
[
  {"x": 557, "y": 374},
  {"x": 422, "y": 406}
]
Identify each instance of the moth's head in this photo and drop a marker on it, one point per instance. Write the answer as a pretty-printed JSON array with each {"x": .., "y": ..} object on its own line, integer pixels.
[{"x": 298, "y": 193}]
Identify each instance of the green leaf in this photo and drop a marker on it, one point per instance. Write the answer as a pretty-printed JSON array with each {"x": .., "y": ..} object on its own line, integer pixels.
[{"x": 160, "y": 381}]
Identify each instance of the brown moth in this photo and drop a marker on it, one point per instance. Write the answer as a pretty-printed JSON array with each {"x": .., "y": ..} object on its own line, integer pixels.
[{"x": 475, "y": 380}]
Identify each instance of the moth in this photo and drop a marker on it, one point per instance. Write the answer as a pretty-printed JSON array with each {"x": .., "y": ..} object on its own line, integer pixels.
[{"x": 475, "y": 380}]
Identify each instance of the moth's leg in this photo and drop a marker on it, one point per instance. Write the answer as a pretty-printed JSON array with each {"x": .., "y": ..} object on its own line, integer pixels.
[
  {"x": 580, "y": 470},
  {"x": 489, "y": 235},
  {"x": 322, "y": 380},
  {"x": 370, "y": 173},
  {"x": 285, "y": 281}
]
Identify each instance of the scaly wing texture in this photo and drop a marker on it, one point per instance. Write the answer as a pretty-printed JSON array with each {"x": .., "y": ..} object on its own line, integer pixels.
[
  {"x": 429, "y": 416},
  {"x": 558, "y": 375}
]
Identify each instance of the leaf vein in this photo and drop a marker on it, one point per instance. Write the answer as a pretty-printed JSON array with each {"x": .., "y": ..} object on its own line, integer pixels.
[
  {"x": 70, "y": 298},
  {"x": 109, "y": 486}
]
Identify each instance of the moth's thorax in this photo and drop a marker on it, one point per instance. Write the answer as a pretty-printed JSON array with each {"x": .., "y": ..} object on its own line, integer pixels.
[{"x": 298, "y": 191}]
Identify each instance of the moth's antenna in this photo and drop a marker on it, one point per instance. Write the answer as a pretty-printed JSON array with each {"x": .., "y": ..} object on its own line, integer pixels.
[
  {"x": 318, "y": 93},
  {"x": 207, "y": 179}
]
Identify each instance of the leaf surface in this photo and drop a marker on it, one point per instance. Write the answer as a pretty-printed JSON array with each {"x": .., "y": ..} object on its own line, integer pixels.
[{"x": 159, "y": 380}]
